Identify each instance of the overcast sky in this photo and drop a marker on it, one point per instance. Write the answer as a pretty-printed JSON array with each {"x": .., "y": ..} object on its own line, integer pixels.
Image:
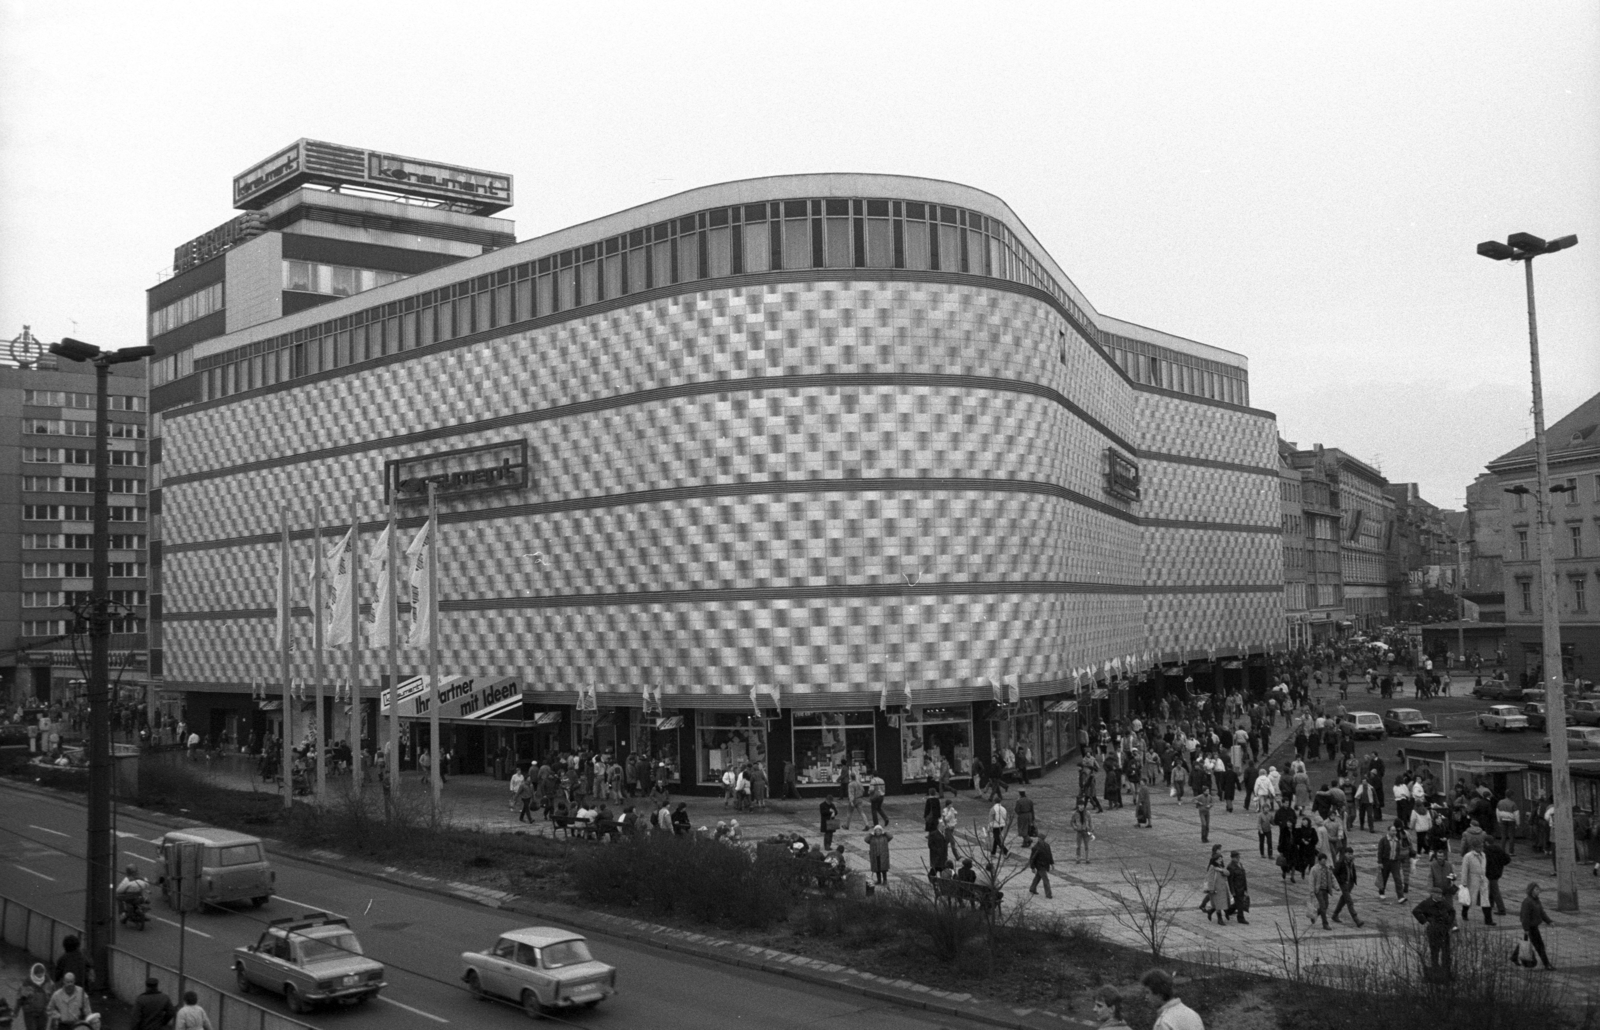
[{"x": 1305, "y": 188}]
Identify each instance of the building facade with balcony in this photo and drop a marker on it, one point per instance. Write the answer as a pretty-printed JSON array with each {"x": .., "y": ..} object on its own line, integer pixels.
[
  {"x": 1573, "y": 510},
  {"x": 812, "y": 469}
]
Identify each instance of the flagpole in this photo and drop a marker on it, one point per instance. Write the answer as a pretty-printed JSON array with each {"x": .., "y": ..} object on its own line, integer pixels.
[
  {"x": 392, "y": 615},
  {"x": 287, "y": 769},
  {"x": 317, "y": 563},
  {"x": 433, "y": 646},
  {"x": 351, "y": 564}
]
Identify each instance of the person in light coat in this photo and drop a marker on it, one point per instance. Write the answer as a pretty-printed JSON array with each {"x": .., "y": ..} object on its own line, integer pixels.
[{"x": 1475, "y": 878}]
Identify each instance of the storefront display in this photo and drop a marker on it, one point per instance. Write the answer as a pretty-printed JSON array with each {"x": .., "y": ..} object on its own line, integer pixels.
[
  {"x": 926, "y": 734},
  {"x": 1016, "y": 735},
  {"x": 827, "y": 743},
  {"x": 1059, "y": 729},
  {"x": 726, "y": 741},
  {"x": 657, "y": 740}
]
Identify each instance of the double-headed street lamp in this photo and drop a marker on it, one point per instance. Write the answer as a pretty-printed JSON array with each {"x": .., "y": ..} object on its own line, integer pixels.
[
  {"x": 97, "y": 884},
  {"x": 1525, "y": 247}
]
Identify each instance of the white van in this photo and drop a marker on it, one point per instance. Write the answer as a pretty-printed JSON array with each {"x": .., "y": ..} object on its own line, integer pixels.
[{"x": 233, "y": 866}]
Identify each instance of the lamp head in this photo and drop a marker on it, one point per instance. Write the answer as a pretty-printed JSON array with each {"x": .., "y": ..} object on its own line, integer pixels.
[
  {"x": 130, "y": 354},
  {"x": 74, "y": 350},
  {"x": 1526, "y": 242},
  {"x": 1561, "y": 243}
]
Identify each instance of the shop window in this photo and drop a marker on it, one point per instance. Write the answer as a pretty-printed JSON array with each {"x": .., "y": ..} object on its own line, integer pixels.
[
  {"x": 1018, "y": 734},
  {"x": 828, "y": 743},
  {"x": 657, "y": 740},
  {"x": 926, "y": 734},
  {"x": 757, "y": 247},
  {"x": 726, "y": 741}
]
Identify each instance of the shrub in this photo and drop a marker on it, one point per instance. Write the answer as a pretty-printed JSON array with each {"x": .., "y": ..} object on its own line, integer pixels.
[{"x": 704, "y": 880}]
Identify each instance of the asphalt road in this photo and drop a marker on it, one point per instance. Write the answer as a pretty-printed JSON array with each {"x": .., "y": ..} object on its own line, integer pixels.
[
  {"x": 419, "y": 936},
  {"x": 1455, "y": 717}
]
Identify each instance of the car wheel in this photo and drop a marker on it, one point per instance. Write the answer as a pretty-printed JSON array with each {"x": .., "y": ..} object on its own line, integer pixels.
[
  {"x": 591, "y": 1004},
  {"x": 475, "y": 985},
  {"x": 258, "y": 902},
  {"x": 245, "y": 986},
  {"x": 531, "y": 1005},
  {"x": 296, "y": 1003}
]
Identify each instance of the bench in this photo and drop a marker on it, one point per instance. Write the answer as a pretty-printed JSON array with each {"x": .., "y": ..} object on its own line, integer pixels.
[{"x": 959, "y": 892}]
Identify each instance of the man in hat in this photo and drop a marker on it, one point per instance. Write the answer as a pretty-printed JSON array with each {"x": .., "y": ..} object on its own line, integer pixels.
[{"x": 152, "y": 1010}]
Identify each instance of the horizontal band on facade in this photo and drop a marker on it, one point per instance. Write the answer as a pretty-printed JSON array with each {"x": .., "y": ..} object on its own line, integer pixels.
[
  {"x": 736, "y": 595},
  {"x": 1207, "y": 463},
  {"x": 753, "y": 384},
  {"x": 731, "y": 490}
]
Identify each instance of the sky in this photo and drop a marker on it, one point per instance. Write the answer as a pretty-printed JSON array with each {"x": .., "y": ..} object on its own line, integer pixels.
[{"x": 1303, "y": 184}]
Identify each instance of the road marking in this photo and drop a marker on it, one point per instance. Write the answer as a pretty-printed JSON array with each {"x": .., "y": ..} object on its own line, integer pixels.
[
  {"x": 408, "y": 1008},
  {"x": 305, "y": 905},
  {"x": 191, "y": 929},
  {"x": 134, "y": 854},
  {"x": 41, "y": 876},
  {"x": 46, "y": 829}
]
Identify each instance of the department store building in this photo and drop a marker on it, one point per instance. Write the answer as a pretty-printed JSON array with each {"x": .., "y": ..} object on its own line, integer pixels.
[{"x": 822, "y": 469}]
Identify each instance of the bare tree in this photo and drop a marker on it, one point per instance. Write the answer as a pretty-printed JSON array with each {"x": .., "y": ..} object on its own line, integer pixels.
[{"x": 1150, "y": 906}]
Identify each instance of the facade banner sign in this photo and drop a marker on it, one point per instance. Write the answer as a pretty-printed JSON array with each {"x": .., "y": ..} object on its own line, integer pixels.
[{"x": 468, "y": 470}]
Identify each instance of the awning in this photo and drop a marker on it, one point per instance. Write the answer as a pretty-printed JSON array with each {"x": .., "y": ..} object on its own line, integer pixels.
[
  {"x": 546, "y": 718},
  {"x": 671, "y": 722},
  {"x": 1063, "y": 708},
  {"x": 1099, "y": 694},
  {"x": 269, "y": 706}
]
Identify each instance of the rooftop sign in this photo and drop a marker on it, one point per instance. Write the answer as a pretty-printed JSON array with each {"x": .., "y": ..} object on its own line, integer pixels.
[{"x": 329, "y": 164}]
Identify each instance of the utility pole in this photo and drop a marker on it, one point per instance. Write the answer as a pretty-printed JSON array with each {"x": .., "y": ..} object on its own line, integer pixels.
[{"x": 97, "y": 920}]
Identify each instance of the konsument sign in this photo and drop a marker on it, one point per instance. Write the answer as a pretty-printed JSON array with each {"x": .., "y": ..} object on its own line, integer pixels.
[{"x": 495, "y": 466}]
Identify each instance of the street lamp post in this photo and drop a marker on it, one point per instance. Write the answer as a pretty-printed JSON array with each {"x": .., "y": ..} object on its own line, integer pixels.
[
  {"x": 97, "y": 918},
  {"x": 1525, "y": 247}
]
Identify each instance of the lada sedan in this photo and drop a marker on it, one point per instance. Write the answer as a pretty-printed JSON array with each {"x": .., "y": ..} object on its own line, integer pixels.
[
  {"x": 1584, "y": 712},
  {"x": 1504, "y": 718},
  {"x": 1580, "y": 738},
  {"x": 1403, "y": 722},
  {"x": 541, "y": 968},
  {"x": 310, "y": 959}
]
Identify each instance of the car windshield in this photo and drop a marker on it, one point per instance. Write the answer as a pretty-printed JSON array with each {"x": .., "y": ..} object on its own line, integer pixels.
[
  {"x": 1407, "y": 713},
  {"x": 239, "y": 854},
  {"x": 316, "y": 949},
  {"x": 567, "y": 953}
]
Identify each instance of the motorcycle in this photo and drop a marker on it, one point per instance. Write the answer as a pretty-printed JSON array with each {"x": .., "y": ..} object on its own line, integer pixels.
[{"x": 133, "y": 909}]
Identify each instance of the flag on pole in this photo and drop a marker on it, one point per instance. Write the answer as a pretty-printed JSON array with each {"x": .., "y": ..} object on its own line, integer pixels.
[
  {"x": 341, "y": 566},
  {"x": 422, "y": 600},
  {"x": 378, "y": 561}
]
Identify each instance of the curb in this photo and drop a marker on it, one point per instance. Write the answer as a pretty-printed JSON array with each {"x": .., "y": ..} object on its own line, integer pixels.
[{"x": 902, "y": 993}]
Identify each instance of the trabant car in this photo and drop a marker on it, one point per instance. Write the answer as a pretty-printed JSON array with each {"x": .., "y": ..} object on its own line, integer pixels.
[
  {"x": 1533, "y": 711},
  {"x": 1504, "y": 718},
  {"x": 541, "y": 968},
  {"x": 1364, "y": 724},
  {"x": 1584, "y": 712},
  {"x": 1580, "y": 738},
  {"x": 311, "y": 959},
  {"x": 1497, "y": 690},
  {"x": 1403, "y": 722}
]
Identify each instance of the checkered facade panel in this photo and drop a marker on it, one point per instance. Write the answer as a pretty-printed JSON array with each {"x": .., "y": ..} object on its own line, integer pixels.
[{"x": 1100, "y": 577}]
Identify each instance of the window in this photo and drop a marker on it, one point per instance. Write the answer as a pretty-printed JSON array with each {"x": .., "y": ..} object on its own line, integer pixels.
[
  {"x": 1572, "y": 490},
  {"x": 826, "y": 743},
  {"x": 1520, "y": 500},
  {"x": 1580, "y": 601},
  {"x": 45, "y": 398},
  {"x": 41, "y": 512},
  {"x": 121, "y": 402},
  {"x": 123, "y": 569},
  {"x": 128, "y": 458},
  {"x": 127, "y": 486},
  {"x": 77, "y": 485},
  {"x": 186, "y": 309},
  {"x": 41, "y": 598},
  {"x": 44, "y": 628},
  {"x": 1525, "y": 587},
  {"x": 127, "y": 624},
  {"x": 121, "y": 514},
  {"x": 127, "y": 598},
  {"x": 55, "y": 570},
  {"x": 1576, "y": 530},
  {"x": 727, "y": 741},
  {"x": 127, "y": 542},
  {"x": 1522, "y": 540},
  {"x": 41, "y": 455},
  {"x": 42, "y": 541},
  {"x": 927, "y": 734},
  {"x": 50, "y": 484}
]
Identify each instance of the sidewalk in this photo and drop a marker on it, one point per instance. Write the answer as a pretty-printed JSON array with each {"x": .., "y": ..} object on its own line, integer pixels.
[{"x": 1088, "y": 892}]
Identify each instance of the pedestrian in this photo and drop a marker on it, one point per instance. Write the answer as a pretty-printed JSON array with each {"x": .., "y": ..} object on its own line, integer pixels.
[
  {"x": 152, "y": 1010},
  {"x": 828, "y": 821},
  {"x": 875, "y": 788},
  {"x": 33, "y": 997},
  {"x": 1083, "y": 828},
  {"x": 855, "y": 791},
  {"x": 1180, "y": 778},
  {"x": 1505, "y": 813},
  {"x": 1265, "y": 816},
  {"x": 680, "y": 819},
  {"x": 999, "y": 822},
  {"x": 1344, "y": 876},
  {"x": 1532, "y": 917},
  {"x": 1475, "y": 879},
  {"x": 1495, "y": 860},
  {"x": 947, "y": 821},
  {"x": 938, "y": 848},
  {"x": 523, "y": 797},
  {"x": 878, "y": 852},
  {"x": 1040, "y": 860},
  {"x": 1202, "y": 804},
  {"x": 1438, "y": 917},
  {"x": 1391, "y": 866},
  {"x": 69, "y": 1005},
  {"x": 1108, "y": 1009},
  {"x": 1322, "y": 885},
  {"x": 72, "y": 960},
  {"x": 191, "y": 1016},
  {"x": 1238, "y": 889},
  {"x": 1141, "y": 806},
  {"x": 1172, "y": 1013},
  {"x": 1024, "y": 812},
  {"x": 1214, "y": 896}
]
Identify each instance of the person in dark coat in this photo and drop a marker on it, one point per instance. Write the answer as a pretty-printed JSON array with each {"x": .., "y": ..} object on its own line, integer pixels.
[
  {"x": 1437, "y": 915},
  {"x": 1304, "y": 850},
  {"x": 1533, "y": 916},
  {"x": 1238, "y": 890},
  {"x": 152, "y": 1010},
  {"x": 72, "y": 961},
  {"x": 829, "y": 822}
]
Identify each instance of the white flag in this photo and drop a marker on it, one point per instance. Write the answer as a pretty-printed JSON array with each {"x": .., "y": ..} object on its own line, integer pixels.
[
  {"x": 378, "y": 561},
  {"x": 421, "y": 599},
  {"x": 341, "y": 562}
]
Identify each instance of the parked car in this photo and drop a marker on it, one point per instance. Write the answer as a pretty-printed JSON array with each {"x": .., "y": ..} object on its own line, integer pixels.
[
  {"x": 1403, "y": 722},
  {"x": 1533, "y": 711},
  {"x": 1497, "y": 690},
  {"x": 542, "y": 968},
  {"x": 1364, "y": 724},
  {"x": 1584, "y": 713},
  {"x": 310, "y": 959},
  {"x": 1503, "y": 718},
  {"x": 1580, "y": 738}
]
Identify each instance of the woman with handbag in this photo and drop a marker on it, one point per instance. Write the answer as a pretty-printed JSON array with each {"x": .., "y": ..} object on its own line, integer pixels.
[{"x": 1532, "y": 917}]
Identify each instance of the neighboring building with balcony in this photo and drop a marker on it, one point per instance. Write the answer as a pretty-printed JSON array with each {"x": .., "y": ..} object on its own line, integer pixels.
[
  {"x": 1297, "y": 617},
  {"x": 47, "y": 445},
  {"x": 1352, "y": 491},
  {"x": 1574, "y": 513}
]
